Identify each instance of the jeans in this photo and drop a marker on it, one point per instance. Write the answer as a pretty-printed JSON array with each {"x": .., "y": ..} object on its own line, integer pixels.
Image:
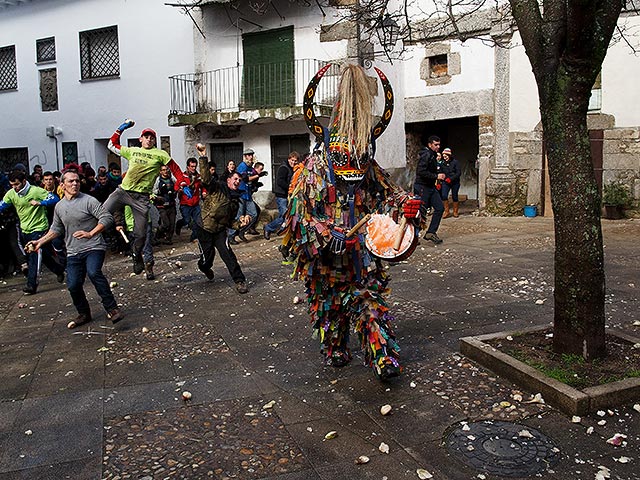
[
  {"x": 147, "y": 250},
  {"x": 140, "y": 204},
  {"x": 33, "y": 259},
  {"x": 247, "y": 207},
  {"x": 191, "y": 216},
  {"x": 78, "y": 267},
  {"x": 275, "y": 225},
  {"x": 454, "y": 188},
  {"x": 430, "y": 197},
  {"x": 167, "y": 222},
  {"x": 209, "y": 243}
]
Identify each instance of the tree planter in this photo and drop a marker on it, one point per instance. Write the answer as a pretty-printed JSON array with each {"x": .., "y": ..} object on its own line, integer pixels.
[
  {"x": 567, "y": 399},
  {"x": 613, "y": 212}
]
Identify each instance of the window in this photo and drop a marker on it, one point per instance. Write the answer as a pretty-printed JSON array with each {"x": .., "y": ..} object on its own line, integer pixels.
[
  {"x": 46, "y": 50},
  {"x": 595, "y": 101},
  {"x": 10, "y": 156},
  {"x": 8, "y": 68},
  {"x": 99, "y": 57},
  {"x": 69, "y": 152},
  {"x": 438, "y": 66},
  {"x": 49, "y": 89}
]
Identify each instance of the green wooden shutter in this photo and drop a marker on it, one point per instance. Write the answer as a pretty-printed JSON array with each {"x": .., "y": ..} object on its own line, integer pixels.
[{"x": 268, "y": 70}]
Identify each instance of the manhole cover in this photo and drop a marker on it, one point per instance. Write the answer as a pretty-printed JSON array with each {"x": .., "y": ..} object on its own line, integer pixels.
[{"x": 503, "y": 448}]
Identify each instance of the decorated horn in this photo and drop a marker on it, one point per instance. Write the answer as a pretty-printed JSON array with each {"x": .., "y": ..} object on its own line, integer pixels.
[
  {"x": 382, "y": 125},
  {"x": 307, "y": 105}
]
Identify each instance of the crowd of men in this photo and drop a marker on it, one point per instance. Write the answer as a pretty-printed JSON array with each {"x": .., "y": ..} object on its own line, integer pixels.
[{"x": 68, "y": 221}]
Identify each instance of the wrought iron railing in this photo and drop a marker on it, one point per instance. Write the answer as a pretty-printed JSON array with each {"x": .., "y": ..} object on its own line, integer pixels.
[{"x": 251, "y": 87}]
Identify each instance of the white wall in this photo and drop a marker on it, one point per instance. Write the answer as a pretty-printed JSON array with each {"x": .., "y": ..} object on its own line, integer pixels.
[
  {"x": 222, "y": 48},
  {"x": 477, "y": 72},
  {"x": 222, "y": 45},
  {"x": 620, "y": 74},
  {"x": 155, "y": 41},
  {"x": 524, "y": 105}
]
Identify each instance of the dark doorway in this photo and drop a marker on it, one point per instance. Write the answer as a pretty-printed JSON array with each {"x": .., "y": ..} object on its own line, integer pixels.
[
  {"x": 221, "y": 153},
  {"x": 596, "y": 138},
  {"x": 461, "y": 136},
  {"x": 282, "y": 146}
]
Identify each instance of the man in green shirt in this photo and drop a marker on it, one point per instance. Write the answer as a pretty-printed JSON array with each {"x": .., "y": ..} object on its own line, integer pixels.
[
  {"x": 144, "y": 164},
  {"x": 30, "y": 203}
]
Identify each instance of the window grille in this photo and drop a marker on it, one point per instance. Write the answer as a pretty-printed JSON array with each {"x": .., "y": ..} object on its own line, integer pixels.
[
  {"x": 69, "y": 152},
  {"x": 10, "y": 156},
  {"x": 8, "y": 68},
  {"x": 49, "y": 89},
  {"x": 46, "y": 50},
  {"x": 99, "y": 56}
]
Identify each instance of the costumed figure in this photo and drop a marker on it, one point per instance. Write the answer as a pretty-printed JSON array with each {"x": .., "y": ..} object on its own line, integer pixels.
[{"x": 342, "y": 220}]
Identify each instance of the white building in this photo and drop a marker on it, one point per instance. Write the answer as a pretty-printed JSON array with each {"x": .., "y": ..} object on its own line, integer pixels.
[
  {"x": 482, "y": 100},
  {"x": 72, "y": 70},
  {"x": 253, "y": 63}
]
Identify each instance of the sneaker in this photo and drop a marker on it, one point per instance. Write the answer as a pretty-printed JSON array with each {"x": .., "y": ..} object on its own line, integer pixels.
[
  {"x": 29, "y": 290},
  {"x": 138, "y": 264},
  {"x": 60, "y": 278},
  {"x": 207, "y": 271},
  {"x": 233, "y": 241},
  {"x": 241, "y": 287},
  {"x": 148, "y": 268},
  {"x": 267, "y": 234},
  {"x": 81, "y": 319},
  {"x": 433, "y": 238},
  {"x": 115, "y": 315},
  {"x": 242, "y": 237}
]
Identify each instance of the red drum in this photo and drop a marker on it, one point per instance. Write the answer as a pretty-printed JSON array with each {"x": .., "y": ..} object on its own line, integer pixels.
[{"x": 382, "y": 233}]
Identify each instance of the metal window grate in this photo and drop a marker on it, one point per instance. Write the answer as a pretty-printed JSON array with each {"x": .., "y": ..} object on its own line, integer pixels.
[
  {"x": 99, "y": 56},
  {"x": 10, "y": 156},
  {"x": 46, "y": 49},
  {"x": 8, "y": 68},
  {"x": 70, "y": 152}
]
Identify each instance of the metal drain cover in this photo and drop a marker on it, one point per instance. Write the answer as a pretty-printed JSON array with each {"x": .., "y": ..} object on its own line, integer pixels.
[{"x": 503, "y": 448}]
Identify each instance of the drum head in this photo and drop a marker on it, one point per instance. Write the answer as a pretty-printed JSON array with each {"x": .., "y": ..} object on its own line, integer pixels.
[{"x": 382, "y": 231}]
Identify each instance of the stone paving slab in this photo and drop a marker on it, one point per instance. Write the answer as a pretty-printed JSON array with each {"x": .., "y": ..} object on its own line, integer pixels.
[{"x": 62, "y": 428}]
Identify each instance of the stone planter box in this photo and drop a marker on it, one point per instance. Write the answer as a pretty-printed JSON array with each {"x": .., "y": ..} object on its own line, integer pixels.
[{"x": 567, "y": 399}]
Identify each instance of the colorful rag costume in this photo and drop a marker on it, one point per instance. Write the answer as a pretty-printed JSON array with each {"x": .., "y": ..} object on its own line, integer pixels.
[{"x": 334, "y": 189}]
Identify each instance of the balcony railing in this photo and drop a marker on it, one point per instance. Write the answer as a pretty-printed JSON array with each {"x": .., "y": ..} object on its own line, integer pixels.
[{"x": 251, "y": 87}]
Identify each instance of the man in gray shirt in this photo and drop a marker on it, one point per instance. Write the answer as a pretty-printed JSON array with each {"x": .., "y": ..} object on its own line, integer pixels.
[{"x": 81, "y": 219}]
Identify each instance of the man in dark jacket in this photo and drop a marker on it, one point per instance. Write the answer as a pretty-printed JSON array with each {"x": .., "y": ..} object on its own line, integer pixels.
[
  {"x": 218, "y": 213},
  {"x": 427, "y": 178},
  {"x": 281, "y": 190}
]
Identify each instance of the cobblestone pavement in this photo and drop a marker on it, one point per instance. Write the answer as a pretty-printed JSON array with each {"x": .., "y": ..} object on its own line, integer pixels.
[{"x": 106, "y": 402}]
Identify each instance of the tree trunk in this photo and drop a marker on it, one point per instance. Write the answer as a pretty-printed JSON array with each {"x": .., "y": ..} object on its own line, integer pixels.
[{"x": 579, "y": 259}]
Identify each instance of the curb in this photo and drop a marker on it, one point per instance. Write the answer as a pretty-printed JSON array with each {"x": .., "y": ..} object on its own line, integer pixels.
[{"x": 565, "y": 398}]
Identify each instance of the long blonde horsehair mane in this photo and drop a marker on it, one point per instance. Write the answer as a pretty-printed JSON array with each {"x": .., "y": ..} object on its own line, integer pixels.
[{"x": 354, "y": 108}]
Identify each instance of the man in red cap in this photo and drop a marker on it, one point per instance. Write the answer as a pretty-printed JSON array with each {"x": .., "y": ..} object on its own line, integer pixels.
[{"x": 144, "y": 164}]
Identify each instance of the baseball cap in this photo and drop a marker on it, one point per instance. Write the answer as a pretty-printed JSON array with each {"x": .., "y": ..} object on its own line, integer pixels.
[
  {"x": 248, "y": 151},
  {"x": 148, "y": 130}
]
